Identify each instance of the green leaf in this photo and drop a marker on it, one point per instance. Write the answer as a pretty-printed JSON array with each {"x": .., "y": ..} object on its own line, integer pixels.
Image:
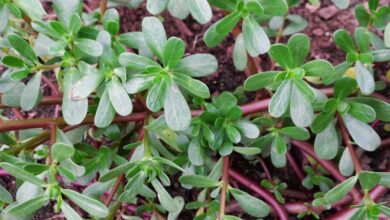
[
  {"x": 23, "y": 47},
  {"x": 178, "y": 9},
  {"x": 381, "y": 108},
  {"x": 344, "y": 40},
  {"x": 296, "y": 133},
  {"x": 74, "y": 111},
  {"x": 256, "y": 40},
  {"x": 282, "y": 55},
  {"x": 344, "y": 87},
  {"x": 248, "y": 129},
  {"x": 136, "y": 62},
  {"x": 86, "y": 85},
  {"x": 163, "y": 196},
  {"x": 319, "y": 68},
  {"x": 28, "y": 207},
  {"x": 385, "y": 179},
  {"x": 31, "y": 93},
  {"x": 173, "y": 52},
  {"x": 227, "y": 23},
  {"x": 250, "y": 204},
  {"x": 296, "y": 24},
  {"x": 120, "y": 100},
  {"x": 341, "y": 4},
  {"x": 199, "y": 181},
  {"x": 385, "y": 210},
  {"x": 280, "y": 100},
  {"x": 155, "y": 35},
  {"x": 4, "y": 13},
  {"x": 387, "y": 35},
  {"x": 341, "y": 190},
  {"x": 195, "y": 152},
  {"x": 91, "y": 206},
  {"x": 5, "y": 196},
  {"x": 346, "y": 165},
  {"x": 116, "y": 172},
  {"x": 363, "y": 135},
  {"x": 156, "y": 6},
  {"x": 280, "y": 144},
  {"x": 12, "y": 61},
  {"x": 240, "y": 57},
  {"x": 362, "y": 15},
  {"x": 33, "y": 8},
  {"x": 69, "y": 212},
  {"x": 105, "y": 112},
  {"x": 275, "y": 7},
  {"x": 305, "y": 89},
  {"x": 230, "y": 217},
  {"x": 301, "y": 111},
  {"x": 12, "y": 96},
  {"x": 212, "y": 38},
  {"x": 19, "y": 173},
  {"x": 260, "y": 80},
  {"x": 195, "y": 87},
  {"x": 176, "y": 110},
  {"x": 200, "y": 10},
  {"x": 61, "y": 151},
  {"x": 299, "y": 45},
  {"x": 362, "y": 112},
  {"x": 197, "y": 65},
  {"x": 362, "y": 39},
  {"x": 369, "y": 179},
  {"x": 364, "y": 79},
  {"x": 156, "y": 96},
  {"x": 65, "y": 10},
  {"x": 326, "y": 143},
  {"x": 138, "y": 83},
  {"x": 250, "y": 151},
  {"x": 111, "y": 21},
  {"x": 277, "y": 159},
  {"x": 89, "y": 47},
  {"x": 233, "y": 134},
  {"x": 381, "y": 55}
]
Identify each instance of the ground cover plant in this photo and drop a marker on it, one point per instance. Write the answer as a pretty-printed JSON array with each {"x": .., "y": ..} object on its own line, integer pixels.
[{"x": 124, "y": 110}]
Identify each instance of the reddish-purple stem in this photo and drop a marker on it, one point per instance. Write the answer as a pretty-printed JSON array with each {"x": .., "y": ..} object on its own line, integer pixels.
[{"x": 263, "y": 193}]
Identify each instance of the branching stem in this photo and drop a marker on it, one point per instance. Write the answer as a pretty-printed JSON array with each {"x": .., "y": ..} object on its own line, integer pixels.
[
  {"x": 225, "y": 184},
  {"x": 347, "y": 141}
]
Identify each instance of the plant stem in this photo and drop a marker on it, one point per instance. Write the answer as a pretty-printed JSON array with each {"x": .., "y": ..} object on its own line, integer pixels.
[
  {"x": 298, "y": 172},
  {"x": 53, "y": 134},
  {"x": 103, "y": 7},
  {"x": 119, "y": 179},
  {"x": 53, "y": 88},
  {"x": 347, "y": 141},
  {"x": 255, "y": 187},
  {"x": 328, "y": 165},
  {"x": 225, "y": 183}
]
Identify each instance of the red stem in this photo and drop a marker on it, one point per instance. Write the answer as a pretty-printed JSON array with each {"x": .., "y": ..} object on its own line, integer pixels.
[
  {"x": 250, "y": 184},
  {"x": 225, "y": 183},
  {"x": 298, "y": 172},
  {"x": 347, "y": 142},
  {"x": 328, "y": 165}
]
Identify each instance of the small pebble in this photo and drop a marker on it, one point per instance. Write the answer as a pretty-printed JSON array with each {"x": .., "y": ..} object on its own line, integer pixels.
[{"x": 328, "y": 12}]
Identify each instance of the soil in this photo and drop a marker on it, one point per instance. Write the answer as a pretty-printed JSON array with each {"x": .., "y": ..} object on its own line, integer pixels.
[{"x": 322, "y": 22}]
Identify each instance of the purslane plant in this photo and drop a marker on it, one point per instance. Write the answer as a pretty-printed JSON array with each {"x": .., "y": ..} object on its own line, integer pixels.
[
  {"x": 293, "y": 93},
  {"x": 220, "y": 128},
  {"x": 164, "y": 80},
  {"x": 375, "y": 15},
  {"x": 253, "y": 39}
]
